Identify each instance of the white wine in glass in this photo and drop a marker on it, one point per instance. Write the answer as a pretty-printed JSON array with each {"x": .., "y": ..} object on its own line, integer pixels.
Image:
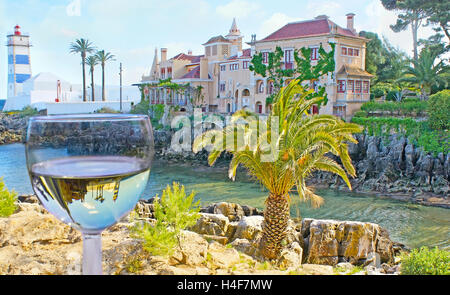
[{"x": 89, "y": 171}]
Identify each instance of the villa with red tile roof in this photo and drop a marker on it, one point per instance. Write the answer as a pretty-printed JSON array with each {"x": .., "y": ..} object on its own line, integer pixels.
[{"x": 228, "y": 85}]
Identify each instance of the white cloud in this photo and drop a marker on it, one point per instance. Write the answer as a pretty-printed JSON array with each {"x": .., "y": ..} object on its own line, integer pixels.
[
  {"x": 275, "y": 22},
  {"x": 237, "y": 8},
  {"x": 325, "y": 7}
]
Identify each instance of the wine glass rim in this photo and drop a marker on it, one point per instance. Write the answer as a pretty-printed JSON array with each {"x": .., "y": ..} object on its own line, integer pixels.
[{"x": 89, "y": 117}]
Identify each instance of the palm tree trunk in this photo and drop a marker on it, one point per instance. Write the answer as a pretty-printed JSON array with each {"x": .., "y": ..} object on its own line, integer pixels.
[
  {"x": 92, "y": 85},
  {"x": 415, "y": 28},
  {"x": 103, "y": 83},
  {"x": 83, "y": 61},
  {"x": 276, "y": 217}
]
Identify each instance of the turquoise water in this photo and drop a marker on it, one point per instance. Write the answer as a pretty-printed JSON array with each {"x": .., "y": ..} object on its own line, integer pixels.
[{"x": 411, "y": 224}]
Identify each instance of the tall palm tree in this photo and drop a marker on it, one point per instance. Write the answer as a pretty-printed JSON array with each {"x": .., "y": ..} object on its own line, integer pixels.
[
  {"x": 92, "y": 61},
  {"x": 104, "y": 57},
  {"x": 303, "y": 142},
  {"x": 426, "y": 73},
  {"x": 83, "y": 47}
]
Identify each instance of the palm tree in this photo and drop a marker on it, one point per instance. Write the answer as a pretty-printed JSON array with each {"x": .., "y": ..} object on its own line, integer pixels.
[
  {"x": 103, "y": 57},
  {"x": 426, "y": 73},
  {"x": 92, "y": 61},
  {"x": 303, "y": 143},
  {"x": 83, "y": 47}
]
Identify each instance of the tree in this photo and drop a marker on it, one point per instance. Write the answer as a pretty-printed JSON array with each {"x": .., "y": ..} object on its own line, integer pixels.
[
  {"x": 375, "y": 53},
  {"x": 412, "y": 13},
  {"x": 438, "y": 13},
  {"x": 299, "y": 147},
  {"x": 104, "y": 57},
  {"x": 82, "y": 47},
  {"x": 425, "y": 73},
  {"x": 277, "y": 72},
  {"x": 92, "y": 61}
]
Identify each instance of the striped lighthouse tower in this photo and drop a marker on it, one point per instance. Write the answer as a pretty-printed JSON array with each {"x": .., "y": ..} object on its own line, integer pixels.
[{"x": 19, "y": 65}]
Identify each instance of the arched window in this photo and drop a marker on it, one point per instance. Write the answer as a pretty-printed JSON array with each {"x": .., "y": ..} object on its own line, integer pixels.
[
  {"x": 260, "y": 87},
  {"x": 246, "y": 92},
  {"x": 270, "y": 87}
]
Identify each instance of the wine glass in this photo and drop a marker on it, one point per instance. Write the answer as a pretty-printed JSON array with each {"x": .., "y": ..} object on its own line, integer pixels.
[{"x": 89, "y": 171}]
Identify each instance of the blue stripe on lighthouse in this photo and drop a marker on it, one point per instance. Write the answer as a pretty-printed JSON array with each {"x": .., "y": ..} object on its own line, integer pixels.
[
  {"x": 10, "y": 59},
  {"x": 22, "y": 60},
  {"x": 20, "y": 78}
]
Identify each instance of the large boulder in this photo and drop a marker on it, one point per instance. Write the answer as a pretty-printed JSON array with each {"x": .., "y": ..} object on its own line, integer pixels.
[{"x": 330, "y": 242}]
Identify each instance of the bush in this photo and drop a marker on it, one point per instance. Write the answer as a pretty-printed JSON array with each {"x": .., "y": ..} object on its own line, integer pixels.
[
  {"x": 173, "y": 212},
  {"x": 439, "y": 110},
  {"x": 424, "y": 261},
  {"x": 106, "y": 110},
  {"x": 7, "y": 200},
  {"x": 360, "y": 114},
  {"x": 141, "y": 108},
  {"x": 392, "y": 95}
]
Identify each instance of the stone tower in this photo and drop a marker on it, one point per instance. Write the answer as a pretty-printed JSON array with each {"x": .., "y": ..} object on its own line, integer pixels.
[{"x": 234, "y": 35}]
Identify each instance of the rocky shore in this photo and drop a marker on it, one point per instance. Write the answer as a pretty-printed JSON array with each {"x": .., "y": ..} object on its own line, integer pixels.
[
  {"x": 12, "y": 128},
  {"x": 393, "y": 168},
  {"x": 224, "y": 241}
]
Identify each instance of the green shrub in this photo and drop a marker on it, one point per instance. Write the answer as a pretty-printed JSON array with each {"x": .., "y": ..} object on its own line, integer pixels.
[
  {"x": 141, "y": 108},
  {"x": 173, "y": 212},
  {"x": 360, "y": 114},
  {"x": 392, "y": 95},
  {"x": 424, "y": 261},
  {"x": 106, "y": 110},
  {"x": 7, "y": 200},
  {"x": 439, "y": 110}
]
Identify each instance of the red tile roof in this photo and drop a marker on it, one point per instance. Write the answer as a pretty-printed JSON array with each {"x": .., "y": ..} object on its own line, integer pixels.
[
  {"x": 191, "y": 58},
  {"x": 194, "y": 74},
  {"x": 246, "y": 53},
  {"x": 306, "y": 29}
]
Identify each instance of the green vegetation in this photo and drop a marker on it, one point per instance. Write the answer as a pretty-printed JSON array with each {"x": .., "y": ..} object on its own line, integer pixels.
[
  {"x": 282, "y": 161},
  {"x": 82, "y": 47},
  {"x": 173, "y": 212},
  {"x": 25, "y": 112},
  {"x": 106, "y": 110},
  {"x": 439, "y": 110},
  {"x": 7, "y": 200},
  {"x": 303, "y": 69},
  {"x": 410, "y": 107},
  {"x": 103, "y": 57},
  {"x": 419, "y": 132},
  {"x": 425, "y": 261}
]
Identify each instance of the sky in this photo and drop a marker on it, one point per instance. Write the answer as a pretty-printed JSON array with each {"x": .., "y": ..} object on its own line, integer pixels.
[{"x": 132, "y": 29}]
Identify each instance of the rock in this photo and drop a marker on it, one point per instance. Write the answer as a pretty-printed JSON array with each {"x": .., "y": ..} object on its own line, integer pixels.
[
  {"x": 221, "y": 256},
  {"x": 211, "y": 224},
  {"x": 291, "y": 257},
  {"x": 193, "y": 250},
  {"x": 249, "y": 228},
  {"x": 314, "y": 269},
  {"x": 331, "y": 242}
]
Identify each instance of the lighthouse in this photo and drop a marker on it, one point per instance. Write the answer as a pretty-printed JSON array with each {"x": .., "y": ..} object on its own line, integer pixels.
[{"x": 19, "y": 64}]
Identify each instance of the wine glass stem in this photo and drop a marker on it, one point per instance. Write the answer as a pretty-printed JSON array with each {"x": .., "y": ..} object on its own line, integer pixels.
[{"x": 92, "y": 254}]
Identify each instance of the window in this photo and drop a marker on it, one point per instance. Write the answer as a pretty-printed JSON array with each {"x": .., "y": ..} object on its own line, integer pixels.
[
  {"x": 270, "y": 88},
  {"x": 222, "y": 86},
  {"x": 169, "y": 72},
  {"x": 358, "y": 87},
  {"x": 288, "y": 56},
  {"x": 234, "y": 67},
  {"x": 344, "y": 50},
  {"x": 261, "y": 87},
  {"x": 355, "y": 52},
  {"x": 314, "y": 53},
  {"x": 350, "y": 51},
  {"x": 341, "y": 86},
  {"x": 351, "y": 86},
  {"x": 265, "y": 57},
  {"x": 214, "y": 50},
  {"x": 366, "y": 87},
  {"x": 163, "y": 73},
  {"x": 223, "y": 68},
  {"x": 245, "y": 64},
  {"x": 208, "y": 50},
  {"x": 224, "y": 49}
]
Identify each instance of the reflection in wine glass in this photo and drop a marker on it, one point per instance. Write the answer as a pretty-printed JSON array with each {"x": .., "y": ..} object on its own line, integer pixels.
[{"x": 89, "y": 171}]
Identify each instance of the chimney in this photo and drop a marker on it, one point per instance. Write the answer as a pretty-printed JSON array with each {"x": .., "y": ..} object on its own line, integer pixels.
[
  {"x": 351, "y": 22},
  {"x": 203, "y": 68},
  {"x": 163, "y": 54}
]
